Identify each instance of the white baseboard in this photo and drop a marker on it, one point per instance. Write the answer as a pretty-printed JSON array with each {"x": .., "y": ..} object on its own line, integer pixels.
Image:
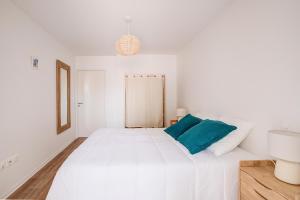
[{"x": 27, "y": 177}]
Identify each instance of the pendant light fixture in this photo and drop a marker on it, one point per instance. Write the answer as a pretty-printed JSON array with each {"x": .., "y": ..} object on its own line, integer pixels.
[{"x": 128, "y": 44}]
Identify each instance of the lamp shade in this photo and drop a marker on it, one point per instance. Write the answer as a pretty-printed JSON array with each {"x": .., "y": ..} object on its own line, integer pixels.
[
  {"x": 128, "y": 45},
  {"x": 181, "y": 112},
  {"x": 285, "y": 145}
]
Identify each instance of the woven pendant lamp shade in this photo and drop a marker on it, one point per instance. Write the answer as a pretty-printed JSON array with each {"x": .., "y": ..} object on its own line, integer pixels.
[{"x": 128, "y": 45}]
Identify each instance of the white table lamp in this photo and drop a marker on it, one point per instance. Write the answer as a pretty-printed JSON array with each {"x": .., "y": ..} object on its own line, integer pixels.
[
  {"x": 180, "y": 112},
  {"x": 285, "y": 146}
]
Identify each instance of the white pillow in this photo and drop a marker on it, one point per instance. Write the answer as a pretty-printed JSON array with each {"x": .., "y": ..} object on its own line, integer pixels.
[
  {"x": 233, "y": 139},
  {"x": 203, "y": 116}
]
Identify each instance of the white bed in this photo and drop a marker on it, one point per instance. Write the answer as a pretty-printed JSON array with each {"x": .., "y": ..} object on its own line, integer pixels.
[{"x": 145, "y": 164}]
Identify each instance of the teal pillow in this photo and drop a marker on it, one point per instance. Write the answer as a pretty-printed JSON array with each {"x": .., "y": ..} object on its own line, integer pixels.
[
  {"x": 204, "y": 134},
  {"x": 182, "y": 125}
]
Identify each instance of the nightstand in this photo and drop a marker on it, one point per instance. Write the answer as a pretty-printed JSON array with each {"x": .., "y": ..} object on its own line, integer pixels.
[
  {"x": 173, "y": 121},
  {"x": 257, "y": 181}
]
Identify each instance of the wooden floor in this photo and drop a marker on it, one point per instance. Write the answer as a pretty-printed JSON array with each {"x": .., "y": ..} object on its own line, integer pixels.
[{"x": 37, "y": 187}]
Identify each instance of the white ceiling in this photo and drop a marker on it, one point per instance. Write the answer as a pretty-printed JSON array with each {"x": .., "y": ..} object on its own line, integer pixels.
[{"x": 91, "y": 27}]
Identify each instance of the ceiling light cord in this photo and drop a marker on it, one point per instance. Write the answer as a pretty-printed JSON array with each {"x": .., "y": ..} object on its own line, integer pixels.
[
  {"x": 128, "y": 33},
  {"x": 128, "y": 44},
  {"x": 128, "y": 21},
  {"x": 128, "y": 28}
]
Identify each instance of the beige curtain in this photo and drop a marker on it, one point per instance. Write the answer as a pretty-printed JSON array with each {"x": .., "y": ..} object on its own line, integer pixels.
[{"x": 144, "y": 101}]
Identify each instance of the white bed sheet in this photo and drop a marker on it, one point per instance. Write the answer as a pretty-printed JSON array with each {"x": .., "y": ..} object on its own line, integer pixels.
[{"x": 145, "y": 164}]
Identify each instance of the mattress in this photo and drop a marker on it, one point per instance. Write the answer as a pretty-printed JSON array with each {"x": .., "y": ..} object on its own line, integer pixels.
[{"x": 145, "y": 164}]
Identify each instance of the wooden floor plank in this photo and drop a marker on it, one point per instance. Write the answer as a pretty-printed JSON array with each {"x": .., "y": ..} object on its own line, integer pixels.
[{"x": 37, "y": 187}]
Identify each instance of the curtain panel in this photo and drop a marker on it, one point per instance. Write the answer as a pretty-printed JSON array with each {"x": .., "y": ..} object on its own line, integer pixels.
[{"x": 144, "y": 101}]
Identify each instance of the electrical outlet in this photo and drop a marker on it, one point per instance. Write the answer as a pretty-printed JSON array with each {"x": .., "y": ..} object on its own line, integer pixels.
[
  {"x": 15, "y": 158},
  {"x": 9, "y": 162},
  {"x": 12, "y": 160},
  {"x": 3, "y": 165}
]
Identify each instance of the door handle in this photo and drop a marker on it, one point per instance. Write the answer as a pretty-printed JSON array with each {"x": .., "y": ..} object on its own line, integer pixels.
[{"x": 80, "y": 103}]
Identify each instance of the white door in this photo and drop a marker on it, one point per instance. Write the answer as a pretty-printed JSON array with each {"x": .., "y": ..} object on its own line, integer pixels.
[{"x": 90, "y": 102}]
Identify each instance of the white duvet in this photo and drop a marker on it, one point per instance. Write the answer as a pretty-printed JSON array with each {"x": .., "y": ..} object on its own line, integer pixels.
[{"x": 144, "y": 164}]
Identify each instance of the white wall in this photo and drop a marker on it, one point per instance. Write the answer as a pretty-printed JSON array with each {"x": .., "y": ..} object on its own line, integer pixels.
[
  {"x": 28, "y": 102},
  {"x": 116, "y": 67},
  {"x": 246, "y": 64}
]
